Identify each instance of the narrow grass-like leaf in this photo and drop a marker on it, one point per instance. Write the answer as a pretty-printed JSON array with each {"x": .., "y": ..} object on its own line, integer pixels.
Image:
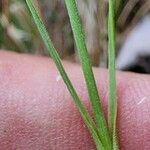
[
  {"x": 88, "y": 73},
  {"x": 112, "y": 73},
  {"x": 85, "y": 115}
]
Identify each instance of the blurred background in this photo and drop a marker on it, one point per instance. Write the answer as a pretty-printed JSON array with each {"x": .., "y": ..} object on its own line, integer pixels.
[{"x": 19, "y": 33}]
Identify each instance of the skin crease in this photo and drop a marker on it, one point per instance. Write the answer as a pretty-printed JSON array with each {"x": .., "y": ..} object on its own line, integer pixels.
[{"x": 37, "y": 112}]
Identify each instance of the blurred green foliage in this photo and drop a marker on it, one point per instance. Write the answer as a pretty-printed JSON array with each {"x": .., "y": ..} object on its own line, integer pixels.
[{"x": 19, "y": 33}]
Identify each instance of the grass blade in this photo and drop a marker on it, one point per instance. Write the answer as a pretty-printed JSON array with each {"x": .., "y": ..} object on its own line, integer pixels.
[
  {"x": 112, "y": 73},
  {"x": 88, "y": 73},
  {"x": 85, "y": 115}
]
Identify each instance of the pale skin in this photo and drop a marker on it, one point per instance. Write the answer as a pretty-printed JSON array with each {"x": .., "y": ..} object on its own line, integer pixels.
[{"x": 37, "y": 112}]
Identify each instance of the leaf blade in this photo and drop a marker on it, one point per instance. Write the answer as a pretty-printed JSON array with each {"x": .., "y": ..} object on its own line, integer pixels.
[
  {"x": 88, "y": 73},
  {"x": 85, "y": 115},
  {"x": 112, "y": 114}
]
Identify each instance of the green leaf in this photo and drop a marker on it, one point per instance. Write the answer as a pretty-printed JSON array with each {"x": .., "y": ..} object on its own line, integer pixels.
[
  {"x": 112, "y": 115},
  {"x": 85, "y": 115},
  {"x": 88, "y": 73}
]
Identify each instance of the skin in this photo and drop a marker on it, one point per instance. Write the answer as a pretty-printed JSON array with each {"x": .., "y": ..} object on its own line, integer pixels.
[{"x": 37, "y": 112}]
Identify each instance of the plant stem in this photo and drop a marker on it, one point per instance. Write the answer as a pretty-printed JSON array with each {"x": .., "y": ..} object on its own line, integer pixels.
[
  {"x": 85, "y": 115},
  {"x": 88, "y": 73},
  {"x": 112, "y": 73}
]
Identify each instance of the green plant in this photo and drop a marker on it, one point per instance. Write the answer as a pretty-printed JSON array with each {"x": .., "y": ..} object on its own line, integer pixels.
[
  {"x": 112, "y": 114},
  {"x": 103, "y": 136}
]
